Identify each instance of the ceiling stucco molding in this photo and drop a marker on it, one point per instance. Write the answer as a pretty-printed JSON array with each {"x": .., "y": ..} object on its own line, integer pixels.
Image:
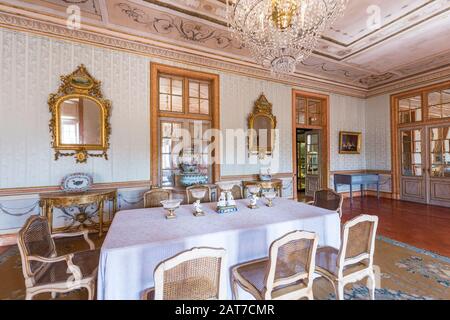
[
  {"x": 106, "y": 38},
  {"x": 412, "y": 82},
  {"x": 59, "y": 30}
]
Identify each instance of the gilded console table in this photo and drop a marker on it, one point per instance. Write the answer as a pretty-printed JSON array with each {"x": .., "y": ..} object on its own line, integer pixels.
[
  {"x": 276, "y": 184},
  {"x": 49, "y": 201}
]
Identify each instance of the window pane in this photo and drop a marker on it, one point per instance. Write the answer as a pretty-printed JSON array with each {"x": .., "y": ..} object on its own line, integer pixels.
[
  {"x": 194, "y": 88},
  {"x": 204, "y": 91},
  {"x": 301, "y": 117},
  {"x": 166, "y": 145},
  {"x": 416, "y": 115},
  {"x": 166, "y": 129},
  {"x": 177, "y": 104},
  {"x": 446, "y": 96},
  {"x": 434, "y": 98},
  {"x": 204, "y": 106},
  {"x": 437, "y": 171},
  {"x": 446, "y": 110},
  {"x": 405, "y": 117},
  {"x": 166, "y": 178},
  {"x": 164, "y": 85},
  {"x": 314, "y": 106},
  {"x": 194, "y": 105},
  {"x": 414, "y": 105},
  {"x": 177, "y": 87},
  {"x": 164, "y": 102},
  {"x": 166, "y": 162},
  {"x": 434, "y": 112}
]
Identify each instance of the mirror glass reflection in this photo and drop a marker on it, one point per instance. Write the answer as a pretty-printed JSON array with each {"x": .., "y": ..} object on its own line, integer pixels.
[
  {"x": 263, "y": 128},
  {"x": 81, "y": 122}
]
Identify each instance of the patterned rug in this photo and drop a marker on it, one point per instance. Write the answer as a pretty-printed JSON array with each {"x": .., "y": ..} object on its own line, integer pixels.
[{"x": 405, "y": 273}]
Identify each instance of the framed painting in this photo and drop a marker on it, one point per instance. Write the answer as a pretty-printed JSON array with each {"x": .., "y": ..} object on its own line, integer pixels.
[{"x": 350, "y": 142}]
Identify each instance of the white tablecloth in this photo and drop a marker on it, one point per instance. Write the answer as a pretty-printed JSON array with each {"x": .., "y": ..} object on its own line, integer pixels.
[{"x": 138, "y": 240}]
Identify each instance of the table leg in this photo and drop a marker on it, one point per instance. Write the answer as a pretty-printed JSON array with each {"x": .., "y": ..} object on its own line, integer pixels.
[
  {"x": 378, "y": 190},
  {"x": 49, "y": 216},
  {"x": 280, "y": 191},
  {"x": 351, "y": 194},
  {"x": 100, "y": 217},
  {"x": 114, "y": 206}
]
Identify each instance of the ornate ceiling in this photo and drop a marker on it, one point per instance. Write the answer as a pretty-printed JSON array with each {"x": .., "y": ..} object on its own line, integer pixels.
[{"x": 411, "y": 38}]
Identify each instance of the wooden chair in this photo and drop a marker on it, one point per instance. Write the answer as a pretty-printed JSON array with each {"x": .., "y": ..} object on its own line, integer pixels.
[
  {"x": 236, "y": 191},
  {"x": 197, "y": 274},
  {"x": 153, "y": 198},
  {"x": 286, "y": 275},
  {"x": 328, "y": 199},
  {"x": 354, "y": 260},
  {"x": 190, "y": 199},
  {"x": 45, "y": 271}
]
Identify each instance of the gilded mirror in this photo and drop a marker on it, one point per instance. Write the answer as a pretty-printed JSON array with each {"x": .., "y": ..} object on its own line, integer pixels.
[
  {"x": 261, "y": 124},
  {"x": 80, "y": 117}
]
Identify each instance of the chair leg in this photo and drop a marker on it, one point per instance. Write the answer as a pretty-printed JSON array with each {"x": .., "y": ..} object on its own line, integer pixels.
[
  {"x": 91, "y": 291},
  {"x": 371, "y": 285},
  {"x": 54, "y": 295},
  {"x": 29, "y": 296},
  {"x": 339, "y": 290},
  {"x": 234, "y": 287}
]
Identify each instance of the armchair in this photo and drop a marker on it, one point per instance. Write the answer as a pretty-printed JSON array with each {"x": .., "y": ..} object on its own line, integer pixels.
[{"x": 45, "y": 271}]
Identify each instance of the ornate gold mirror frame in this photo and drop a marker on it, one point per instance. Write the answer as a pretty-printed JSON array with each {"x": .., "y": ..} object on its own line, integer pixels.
[
  {"x": 79, "y": 84},
  {"x": 262, "y": 108}
]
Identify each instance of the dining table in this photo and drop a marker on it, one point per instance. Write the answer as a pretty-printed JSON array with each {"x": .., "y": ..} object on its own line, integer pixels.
[{"x": 138, "y": 240}]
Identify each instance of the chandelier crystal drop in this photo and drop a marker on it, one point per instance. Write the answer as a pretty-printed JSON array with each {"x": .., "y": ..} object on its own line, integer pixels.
[{"x": 282, "y": 33}]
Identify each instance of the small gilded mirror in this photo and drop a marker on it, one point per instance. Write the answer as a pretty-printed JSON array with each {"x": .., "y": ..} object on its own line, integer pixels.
[
  {"x": 262, "y": 123},
  {"x": 80, "y": 117}
]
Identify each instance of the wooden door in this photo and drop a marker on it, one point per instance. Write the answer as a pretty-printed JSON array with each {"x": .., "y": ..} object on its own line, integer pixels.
[
  {"x": 413, "y": 178},
  {"x": 438, "y": 169},
  {"x": 313, "y": 165}
]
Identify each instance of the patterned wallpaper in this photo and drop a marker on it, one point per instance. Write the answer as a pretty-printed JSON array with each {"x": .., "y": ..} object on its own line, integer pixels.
[{"x": 30, "y": 67}]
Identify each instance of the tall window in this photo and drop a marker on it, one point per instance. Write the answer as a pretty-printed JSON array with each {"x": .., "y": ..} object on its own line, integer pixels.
[{"x": 184, "y": 111}]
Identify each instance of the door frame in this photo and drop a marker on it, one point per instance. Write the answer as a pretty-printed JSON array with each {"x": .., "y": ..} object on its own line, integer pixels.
[
  {"x": 325, "y": 136},
  {"x": 396, "y": 126}
]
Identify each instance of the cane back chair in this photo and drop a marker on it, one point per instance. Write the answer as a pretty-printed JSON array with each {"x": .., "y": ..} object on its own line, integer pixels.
[
  {"x": 354, "y": 260},
  {"x": 328, "y": 199},
  {"x": 153, "y": 198},
  {"x": 46, "y": 272},
  {"x": 190, "y": 199},
  {"x": 197, "y": 274},
  {"x": 286, "y": 275}
]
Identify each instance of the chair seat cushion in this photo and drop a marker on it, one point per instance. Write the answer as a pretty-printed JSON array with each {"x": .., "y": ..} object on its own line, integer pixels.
[
  {"x": 252, "y": 275},
  {"x": 326, "y": 261},
  {"x": 58, "y": 272}
]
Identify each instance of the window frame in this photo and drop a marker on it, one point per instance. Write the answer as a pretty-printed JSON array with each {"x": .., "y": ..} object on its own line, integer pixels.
[{"x": 157, "y": 70}]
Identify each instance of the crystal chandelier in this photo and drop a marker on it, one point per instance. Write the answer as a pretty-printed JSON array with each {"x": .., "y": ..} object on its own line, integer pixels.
[{"x": 282, "y": 33}]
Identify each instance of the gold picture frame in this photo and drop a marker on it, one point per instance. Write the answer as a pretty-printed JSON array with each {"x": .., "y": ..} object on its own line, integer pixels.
[
  {"x": 261, "y": 118},
  {"x": 80, "y": 86},
  {"x": 350, "y": 142}
]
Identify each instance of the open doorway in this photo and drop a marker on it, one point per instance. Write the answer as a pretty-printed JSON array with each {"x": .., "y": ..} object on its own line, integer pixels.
[
  {"x": 310, "y": 143},
  {"x": 308, "y": 162}
]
